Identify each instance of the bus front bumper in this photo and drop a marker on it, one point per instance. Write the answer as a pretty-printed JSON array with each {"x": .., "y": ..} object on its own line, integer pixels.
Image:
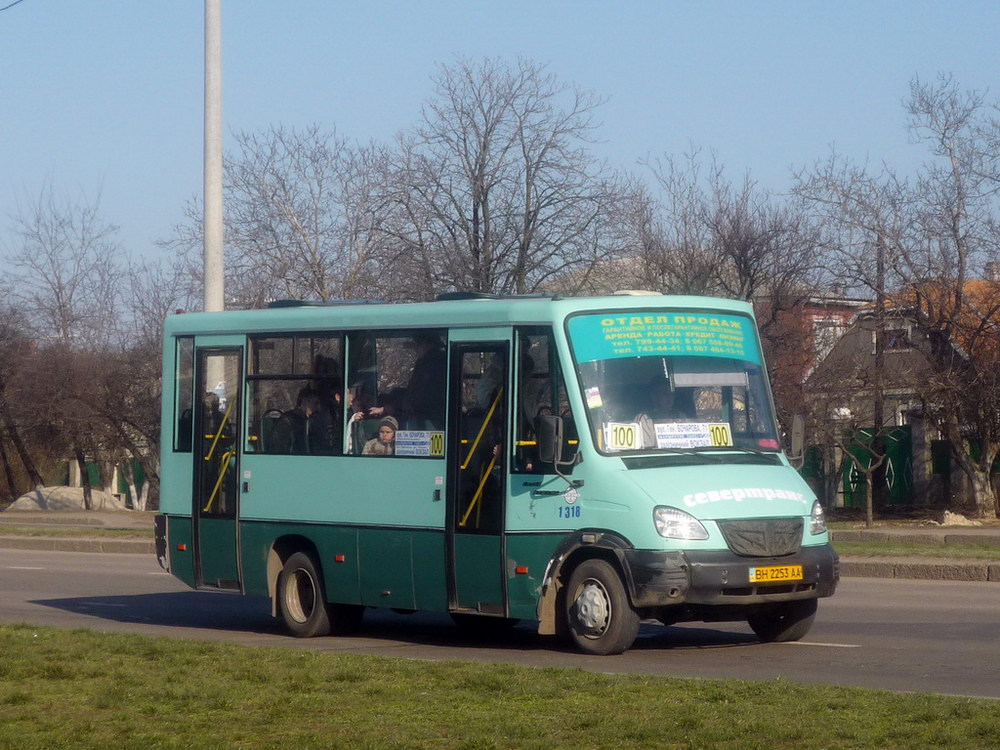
[{"x": 719, "y": 577}]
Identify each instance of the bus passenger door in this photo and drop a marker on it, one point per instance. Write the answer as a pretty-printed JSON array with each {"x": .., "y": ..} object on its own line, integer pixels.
[
  {"x": 477, "y": 476},
  {"x": 218, "y": 419}
]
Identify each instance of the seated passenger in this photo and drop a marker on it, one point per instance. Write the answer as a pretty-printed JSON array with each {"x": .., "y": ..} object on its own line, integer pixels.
[
  {"x": 385, "y": 443},
  {"x": 288, "y": 434}
]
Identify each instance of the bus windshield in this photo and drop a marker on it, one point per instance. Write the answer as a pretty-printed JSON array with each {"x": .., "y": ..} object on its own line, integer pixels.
[{"x": 668, "y": 382}]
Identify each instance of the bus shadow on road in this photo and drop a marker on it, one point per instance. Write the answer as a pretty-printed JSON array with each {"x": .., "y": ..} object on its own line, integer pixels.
[
  {"x": 186, "y": 609},
  {"x": 155, "y": 614},
  {"x": 655, "y": 637}
]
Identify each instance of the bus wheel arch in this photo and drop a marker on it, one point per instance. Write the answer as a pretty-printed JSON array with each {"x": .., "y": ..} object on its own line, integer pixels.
[
  {"x": 341, "y": 618},
  {"x": 573, "y": 552}
]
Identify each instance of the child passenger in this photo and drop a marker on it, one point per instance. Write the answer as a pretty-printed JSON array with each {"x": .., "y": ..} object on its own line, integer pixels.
[{"x": 385, "y": 443}]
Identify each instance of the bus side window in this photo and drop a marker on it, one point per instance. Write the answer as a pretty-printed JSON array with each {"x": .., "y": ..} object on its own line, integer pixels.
[
  {"x": 184, "y": 396},
  {"x": 296, "y": 392},
  {"x": 398, "y": 376},
  {"x": 541, "y": 391}
]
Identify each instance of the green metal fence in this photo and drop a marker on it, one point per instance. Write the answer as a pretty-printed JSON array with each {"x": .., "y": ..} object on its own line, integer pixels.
[{"x": 898, "y": 473}]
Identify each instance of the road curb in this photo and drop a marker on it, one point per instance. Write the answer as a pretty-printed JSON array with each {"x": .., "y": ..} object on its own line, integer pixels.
[
  {"x": 70, "y": 544},
  {"x": 917, "y": 536},
  {"x": 919, "y": 569}
]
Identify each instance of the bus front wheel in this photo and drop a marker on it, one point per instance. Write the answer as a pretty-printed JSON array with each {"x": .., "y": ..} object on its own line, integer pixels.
[
  {"x": 302, "y": 599},
  {"x": 788, "y": 621},
  {"x": 600, "y": 617}
]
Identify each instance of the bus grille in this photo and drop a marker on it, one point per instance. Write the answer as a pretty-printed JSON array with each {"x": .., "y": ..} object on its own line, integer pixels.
[{"x": 765, "y": 537}]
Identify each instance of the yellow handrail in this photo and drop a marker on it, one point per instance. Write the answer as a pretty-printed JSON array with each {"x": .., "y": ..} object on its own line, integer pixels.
[
  {"x": 475, "y": 443},
  {"x": 479, "y": 491},
  {"x": 529, "y": 443},
  {"x": 226, "y": 459},
  {"x": 218, "y": 432}
]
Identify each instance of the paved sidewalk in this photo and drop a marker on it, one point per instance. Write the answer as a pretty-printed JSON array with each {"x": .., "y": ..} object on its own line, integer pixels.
[{"x": 926, "y": 568}]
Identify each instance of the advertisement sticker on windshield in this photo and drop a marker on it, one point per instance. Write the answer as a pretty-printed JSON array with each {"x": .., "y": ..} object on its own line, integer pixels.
[
  {"x": 663, "y": 334},
  {"x": 693, "y": 435},
  {"x": 594, "y": 400},
  {"x": 622, "y": 436}
]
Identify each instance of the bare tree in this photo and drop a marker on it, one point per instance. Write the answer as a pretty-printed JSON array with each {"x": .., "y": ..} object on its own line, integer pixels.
[
  {"x": 296, "y": 216},
  {"x": 65, "y": 267},
  {"x": 126, "y": 393},
  {"x": 865, "y": 222},
  {"x": 923, "y": 246},
  {"x": 65, "y": 276},
  {"x": 957, "y": 219},
  {"x": 298, "y": 219},
  {"x": 725, "y": 238},
  {"x": 15, "y": 350},
  {"x": 497, "y": 190}
]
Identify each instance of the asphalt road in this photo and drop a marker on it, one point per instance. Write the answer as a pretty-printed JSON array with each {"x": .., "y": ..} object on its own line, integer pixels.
[{"x": 932, "y": 636}]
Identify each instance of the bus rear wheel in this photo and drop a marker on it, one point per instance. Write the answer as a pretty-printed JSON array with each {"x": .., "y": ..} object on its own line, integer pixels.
[
  {"x": 601, "y": 619},
  {"x": 788, "y": 621},
  {"x": 302, "y": 599}
]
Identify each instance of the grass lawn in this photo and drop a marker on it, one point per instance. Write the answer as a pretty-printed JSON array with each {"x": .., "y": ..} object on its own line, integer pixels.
[{"x": 82, "y": 689}]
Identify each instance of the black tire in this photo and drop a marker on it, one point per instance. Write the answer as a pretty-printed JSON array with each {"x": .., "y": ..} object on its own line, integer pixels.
[
  {"x": 600, "y": 616},
  {"x": 788, "y": 621},
  {"x": 301, "y": 597}
]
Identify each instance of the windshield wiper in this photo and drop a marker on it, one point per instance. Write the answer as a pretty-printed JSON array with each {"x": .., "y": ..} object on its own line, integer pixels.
[
  {"x": 691, "y": 452},
  {"x": 732, "y": 449},
  {"x": 705, "y": 455},
  {"x": 711, "y": 452}
]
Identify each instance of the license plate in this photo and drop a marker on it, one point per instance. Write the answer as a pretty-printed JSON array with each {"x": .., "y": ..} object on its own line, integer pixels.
[{"x": 776, "y": 573}]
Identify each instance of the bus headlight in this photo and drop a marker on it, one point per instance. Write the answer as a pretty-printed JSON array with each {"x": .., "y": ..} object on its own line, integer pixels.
[
  {"x": 676, "y": 524},
  {"x": 817, "y": 519}
]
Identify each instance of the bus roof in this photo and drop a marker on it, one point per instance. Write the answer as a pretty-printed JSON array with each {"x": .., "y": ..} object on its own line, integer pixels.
[{"x": 459, "y": 310}]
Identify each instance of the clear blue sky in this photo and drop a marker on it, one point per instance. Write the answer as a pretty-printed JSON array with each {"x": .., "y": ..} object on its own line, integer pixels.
[{"x": 107, "y": 94}]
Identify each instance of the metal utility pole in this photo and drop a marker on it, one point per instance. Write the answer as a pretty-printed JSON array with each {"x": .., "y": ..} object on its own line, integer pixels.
[{"x": 215, "y": 295}]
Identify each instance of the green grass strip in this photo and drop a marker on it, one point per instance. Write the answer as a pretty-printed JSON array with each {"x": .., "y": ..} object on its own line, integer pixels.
[{"x": 82, "y": 689}]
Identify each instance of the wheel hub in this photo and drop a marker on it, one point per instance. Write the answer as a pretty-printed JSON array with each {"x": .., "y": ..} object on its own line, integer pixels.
[
  {"x": 593, "y": 608},
  {"x": 300, "y": 596}
]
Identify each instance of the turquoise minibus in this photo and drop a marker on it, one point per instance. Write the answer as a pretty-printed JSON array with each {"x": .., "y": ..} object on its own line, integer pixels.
[{"x": 584, "y": 464}]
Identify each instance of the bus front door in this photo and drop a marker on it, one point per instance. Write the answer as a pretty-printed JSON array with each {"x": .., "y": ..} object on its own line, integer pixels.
[
  {"x": 216, "y": 455},
  {"x": 477, "y": 476}
]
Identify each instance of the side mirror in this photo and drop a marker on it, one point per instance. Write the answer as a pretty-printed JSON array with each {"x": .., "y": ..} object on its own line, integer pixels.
[
  {"x": 798, "y": 441},
  {"x": 549, "y": 433}
]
